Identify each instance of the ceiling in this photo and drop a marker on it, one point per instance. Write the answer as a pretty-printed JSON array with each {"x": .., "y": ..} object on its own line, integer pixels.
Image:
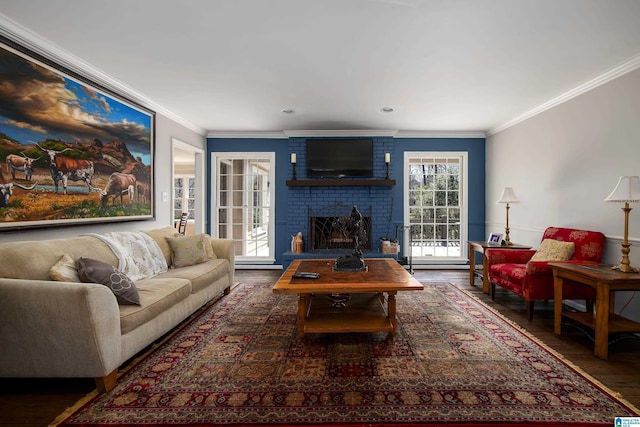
[{"x": 441, "y": 65}]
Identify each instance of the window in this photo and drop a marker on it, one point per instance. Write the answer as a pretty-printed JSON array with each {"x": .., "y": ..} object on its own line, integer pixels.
[
  {"x": 436, "y": 211},
  {"x": 184, "y": 196},
  {"x": 243, "y": 208}
]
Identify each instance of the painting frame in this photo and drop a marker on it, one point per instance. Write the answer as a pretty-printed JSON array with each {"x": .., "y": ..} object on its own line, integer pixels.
[{"x": 72, "y": 151}]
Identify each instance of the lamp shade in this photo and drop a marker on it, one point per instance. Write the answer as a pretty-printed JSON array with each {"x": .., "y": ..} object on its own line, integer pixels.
[
  {"x": 508, "y": 196},
  {"x": 627, "y": 190}
]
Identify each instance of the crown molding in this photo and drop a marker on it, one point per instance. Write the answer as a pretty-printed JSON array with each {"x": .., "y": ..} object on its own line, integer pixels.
[
  {"x": 249, "y": 135},
  {"x": 342, "y": 133},
  {"x": 626, "y": 67},
  {"x": 439, "y": 134},
  {"x": 337, "y": 132},
  {"x": 38, "y": 44}
]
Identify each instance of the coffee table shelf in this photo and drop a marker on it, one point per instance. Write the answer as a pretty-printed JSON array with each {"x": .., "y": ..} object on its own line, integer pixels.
[{"x": 362, "y": 313}]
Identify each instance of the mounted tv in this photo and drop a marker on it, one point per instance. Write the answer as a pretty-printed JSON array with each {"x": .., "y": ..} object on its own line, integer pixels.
[{"x": 339, "y": 158}]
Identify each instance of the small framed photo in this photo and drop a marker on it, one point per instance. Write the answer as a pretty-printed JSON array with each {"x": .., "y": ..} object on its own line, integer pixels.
[{"x": 495, "y": 238}]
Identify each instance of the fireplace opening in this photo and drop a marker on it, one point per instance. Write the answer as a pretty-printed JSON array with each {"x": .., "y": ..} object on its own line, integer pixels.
[{"x": 324, "y": 237}]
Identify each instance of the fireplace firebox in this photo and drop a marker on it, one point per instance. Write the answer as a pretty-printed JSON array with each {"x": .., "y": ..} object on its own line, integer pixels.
[{"x": 325, "y": 237}]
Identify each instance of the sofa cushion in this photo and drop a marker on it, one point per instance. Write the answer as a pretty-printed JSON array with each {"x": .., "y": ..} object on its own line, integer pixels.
[
  {"x": 94, "y": 271},
  {"x": 64, "y": 270},
  {"x": 554, "y": 250},
  {"x": 157, "y": 295},
  {"x": 201, "y": 275},
  {"x": 188, "y": 250}
]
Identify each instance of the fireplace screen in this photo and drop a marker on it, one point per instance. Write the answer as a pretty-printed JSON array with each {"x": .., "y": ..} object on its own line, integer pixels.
[{"x": 324, "y": 237}]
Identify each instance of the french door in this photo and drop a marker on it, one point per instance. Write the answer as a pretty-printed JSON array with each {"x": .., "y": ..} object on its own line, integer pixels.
[
  {"x": 436, "y": 210},
  {"x": 244, "y": 204}
]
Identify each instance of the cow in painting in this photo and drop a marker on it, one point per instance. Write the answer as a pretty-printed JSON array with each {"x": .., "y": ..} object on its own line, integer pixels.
[
  {"x": 22, "y": 163},
  {"x": 118, "y": 185},
  {"x": 6, "y": 190},
  {"x": 66, "y": 168}
]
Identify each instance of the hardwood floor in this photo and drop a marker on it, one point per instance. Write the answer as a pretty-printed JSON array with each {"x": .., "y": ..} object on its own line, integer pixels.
[{"x": 37, "y": 402}]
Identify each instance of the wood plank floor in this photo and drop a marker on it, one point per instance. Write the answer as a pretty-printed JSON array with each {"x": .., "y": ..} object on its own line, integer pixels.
[{"x": 37, "y": 402}]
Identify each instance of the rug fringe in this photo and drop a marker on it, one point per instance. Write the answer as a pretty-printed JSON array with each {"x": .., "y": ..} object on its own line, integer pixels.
[{"x": 553, "y": 352}]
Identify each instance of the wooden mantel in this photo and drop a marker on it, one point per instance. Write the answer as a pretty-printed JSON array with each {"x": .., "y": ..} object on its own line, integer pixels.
[{"x": 340, "y": 182}]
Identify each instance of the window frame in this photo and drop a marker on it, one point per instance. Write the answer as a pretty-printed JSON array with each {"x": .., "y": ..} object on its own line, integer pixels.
[
  {"x": 184, "y": 200},
  {"x": 463, "y": 205}
]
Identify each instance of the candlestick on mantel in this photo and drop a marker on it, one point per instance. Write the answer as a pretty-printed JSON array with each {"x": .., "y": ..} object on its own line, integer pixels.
[
  {"x": 387, "y": 160},
  {"x": 293, "y": 164}
]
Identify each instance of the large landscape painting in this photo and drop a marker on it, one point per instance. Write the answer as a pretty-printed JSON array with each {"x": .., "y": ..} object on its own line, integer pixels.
[{"x": 71, "y": 153}]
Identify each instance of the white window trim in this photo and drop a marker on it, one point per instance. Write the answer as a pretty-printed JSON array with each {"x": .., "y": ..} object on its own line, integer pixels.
[
  {"x": 464, "y": 206},
  {"x": 271, "y": 156}
]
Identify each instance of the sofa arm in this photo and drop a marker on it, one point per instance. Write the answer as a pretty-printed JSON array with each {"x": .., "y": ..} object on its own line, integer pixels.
[
  {"x": 225, "y": 248},
  {"x": 508, "y": 256},
  {"x": 58, "y": 329}
]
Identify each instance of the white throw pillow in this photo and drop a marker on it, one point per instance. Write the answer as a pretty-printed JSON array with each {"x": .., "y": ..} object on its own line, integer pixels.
[{"x": 64, "y": 270}]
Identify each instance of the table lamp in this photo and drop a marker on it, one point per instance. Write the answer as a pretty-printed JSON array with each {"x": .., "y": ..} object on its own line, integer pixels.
[
  {"x": 508, "y": 196},
  {"x": 628, "y": 191}
]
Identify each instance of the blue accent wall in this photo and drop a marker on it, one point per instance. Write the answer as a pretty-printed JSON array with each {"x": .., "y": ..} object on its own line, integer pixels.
[{"x": 293, "y": 203}]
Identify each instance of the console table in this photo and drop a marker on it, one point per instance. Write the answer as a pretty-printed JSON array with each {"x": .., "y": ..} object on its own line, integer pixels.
[
  {"x": 603, "y": 319},
  {"x": 480, "y": 246}
]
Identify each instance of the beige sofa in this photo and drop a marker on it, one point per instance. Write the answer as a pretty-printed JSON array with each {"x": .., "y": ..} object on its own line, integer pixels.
[{"x": 61, "y": 329}]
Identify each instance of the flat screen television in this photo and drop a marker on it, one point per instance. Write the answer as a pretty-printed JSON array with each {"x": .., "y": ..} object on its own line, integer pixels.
[{"x": 339, "y": 158}]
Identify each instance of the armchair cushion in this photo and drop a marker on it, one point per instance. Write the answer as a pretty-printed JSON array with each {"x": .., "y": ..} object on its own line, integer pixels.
[{"x": 554, "y": 250}]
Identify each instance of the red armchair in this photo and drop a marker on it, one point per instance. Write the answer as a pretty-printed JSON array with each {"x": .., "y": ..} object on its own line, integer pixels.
[{"x": 514, "y": 270}]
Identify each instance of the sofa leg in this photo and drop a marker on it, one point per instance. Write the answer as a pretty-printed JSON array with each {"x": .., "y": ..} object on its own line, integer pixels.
[
  {"x": 107, "y": 383},
  {"x": 529, "y": 305},
  {"x": 227, "y": 290}
]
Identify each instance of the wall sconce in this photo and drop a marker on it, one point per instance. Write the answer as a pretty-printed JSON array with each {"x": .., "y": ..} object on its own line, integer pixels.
[
  {"x": 508, "y": 196},
  {"x": 628, "y": 191},
  {"x": 294, "y": 160},
  {"x": 387, "y": 160}
]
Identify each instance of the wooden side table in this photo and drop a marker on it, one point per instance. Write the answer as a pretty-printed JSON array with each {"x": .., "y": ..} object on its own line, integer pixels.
[
  {"x": 480, "y": 246},
  {"x": 606, "y": 282}
]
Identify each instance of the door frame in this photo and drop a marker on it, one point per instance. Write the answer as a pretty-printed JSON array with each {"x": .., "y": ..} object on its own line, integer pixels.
[{"x": 199, "y": 176}]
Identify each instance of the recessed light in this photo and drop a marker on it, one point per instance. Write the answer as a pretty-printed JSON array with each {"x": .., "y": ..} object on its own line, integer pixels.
[
  {"x": 287, "y": 111},
  {"x": 387, "y": 109}
]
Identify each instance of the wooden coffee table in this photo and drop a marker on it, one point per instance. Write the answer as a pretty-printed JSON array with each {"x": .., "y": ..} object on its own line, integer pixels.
[{"x": 363, "y": 312}]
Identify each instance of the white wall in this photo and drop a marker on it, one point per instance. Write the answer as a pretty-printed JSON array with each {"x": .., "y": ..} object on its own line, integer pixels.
[
  {"x": 563, "y": 163},
  {"x": 166, "y": 129}
]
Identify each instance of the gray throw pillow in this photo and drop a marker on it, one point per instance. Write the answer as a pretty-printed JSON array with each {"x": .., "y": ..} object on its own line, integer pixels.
[{"x": 94, "y": 271}]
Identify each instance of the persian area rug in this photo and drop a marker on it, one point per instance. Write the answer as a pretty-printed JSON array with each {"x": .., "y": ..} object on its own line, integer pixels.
[{"x": 453, "y": 361}]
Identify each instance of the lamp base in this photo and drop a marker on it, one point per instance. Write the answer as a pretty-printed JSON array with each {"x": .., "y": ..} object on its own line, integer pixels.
[{"x": 625, "y": 268}]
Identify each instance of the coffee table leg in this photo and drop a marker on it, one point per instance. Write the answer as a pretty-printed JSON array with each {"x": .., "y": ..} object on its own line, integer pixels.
[
  {"x": 303, "y": 309},
  {"x": 391, "y": 313}
]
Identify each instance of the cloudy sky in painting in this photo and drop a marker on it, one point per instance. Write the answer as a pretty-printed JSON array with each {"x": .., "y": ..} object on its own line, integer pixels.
[{"x": 37, "y": 103}]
